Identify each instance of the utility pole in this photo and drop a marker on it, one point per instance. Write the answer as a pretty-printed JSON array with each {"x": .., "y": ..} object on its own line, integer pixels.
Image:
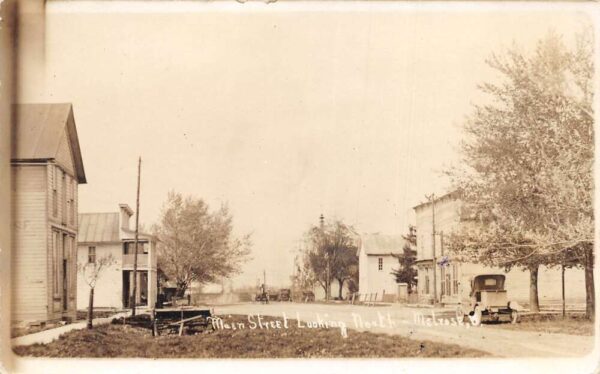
[
  {"x": 431, "y": 199},
  {"x": 137, "y": 223},
  {"x": 265, "y": 278}
]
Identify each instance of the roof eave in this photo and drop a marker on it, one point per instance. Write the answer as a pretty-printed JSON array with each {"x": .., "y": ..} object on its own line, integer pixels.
[{"x": 74, "y": 140}]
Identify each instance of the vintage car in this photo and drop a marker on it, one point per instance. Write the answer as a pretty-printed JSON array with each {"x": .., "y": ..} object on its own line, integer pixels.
[
  {"x": 285, "y": 294},
  {"x": 487, "y": 300},
  {"x": 308, "y": 296},
  {"x": 263, "y": 297}
]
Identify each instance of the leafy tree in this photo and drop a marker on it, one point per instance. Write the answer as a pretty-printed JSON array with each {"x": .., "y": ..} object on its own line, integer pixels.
[
  {"x": 196, "y": 245},
  {"x": 333, "y": 244},
  {"x": 304, "y": 278},
  {"x": 526, "y": 174},
  {"x": 407, "y": 272},
  {"x": 91, "y": 271}
]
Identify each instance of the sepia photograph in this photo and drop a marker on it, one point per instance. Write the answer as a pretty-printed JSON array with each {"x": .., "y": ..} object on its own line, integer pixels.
[{"x": 380, "y": 182}]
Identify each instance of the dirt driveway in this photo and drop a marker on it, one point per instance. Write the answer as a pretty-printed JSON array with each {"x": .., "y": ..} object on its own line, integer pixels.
[{"x": 413, "y": 322}]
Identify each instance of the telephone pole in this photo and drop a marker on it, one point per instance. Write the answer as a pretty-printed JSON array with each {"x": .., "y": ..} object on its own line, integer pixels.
[
  {"x": 431, "y": 199},
  {"x": 137, "y": 222}
]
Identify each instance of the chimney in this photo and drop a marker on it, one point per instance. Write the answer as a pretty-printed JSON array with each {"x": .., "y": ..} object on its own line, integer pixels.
[{"x": 124, "y": 215}]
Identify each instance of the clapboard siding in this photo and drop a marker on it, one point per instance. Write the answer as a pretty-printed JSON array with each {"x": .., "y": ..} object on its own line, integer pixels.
[
  {"x": 64, "y": 221},
  {"x": 64, "y": 155},
  {"x": 29, "y": 267}
]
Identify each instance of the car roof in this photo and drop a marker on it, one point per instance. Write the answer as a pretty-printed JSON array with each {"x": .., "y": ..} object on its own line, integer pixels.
[{"x": 490, "y": 276}]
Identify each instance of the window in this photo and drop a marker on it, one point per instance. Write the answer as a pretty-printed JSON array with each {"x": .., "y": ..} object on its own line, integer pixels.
[
  {"x": 71, "y": 201},
  {"x": 64, "y": 198},
  {"x": 455, "y": 279},
  {"x": 443, "y": 284},
  {"x": 427, "y": 284},
  {"x": 448, "y": 290},
  {"x": 92, "y": 255},
  {"x": 380, "y": 263},
  {"x": 54, "y": 174},
  {"x": 129, "y": 248},
  {"x": 55, "y": 260}
]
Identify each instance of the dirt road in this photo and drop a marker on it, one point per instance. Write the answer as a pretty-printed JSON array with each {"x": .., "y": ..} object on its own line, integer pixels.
[{"x": 418, "y": 323}]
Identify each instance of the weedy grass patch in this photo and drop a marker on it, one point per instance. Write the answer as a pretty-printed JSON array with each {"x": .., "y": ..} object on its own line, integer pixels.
[
  {"x": 293, "y": 342},
  {"x": 574, "y": 324}
]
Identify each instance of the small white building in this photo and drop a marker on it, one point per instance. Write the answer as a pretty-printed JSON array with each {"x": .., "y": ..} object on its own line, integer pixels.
[
  {"x": 102, "y": 234},
  {"x": 376, "y": 263}
]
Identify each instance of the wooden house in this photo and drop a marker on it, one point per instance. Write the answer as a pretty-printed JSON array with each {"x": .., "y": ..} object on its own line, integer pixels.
[
  {"x": 104, "y": 234},
  {"x": 376, "y": 262},
  {"x": 47, "y": 169}
]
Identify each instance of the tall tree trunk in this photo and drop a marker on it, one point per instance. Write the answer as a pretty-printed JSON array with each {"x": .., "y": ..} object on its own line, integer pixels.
[
  {"x": 534, "y": 303},
  {"x": 590, "y": 301},
  {"x": 90, "y": 313},
  {"x": 341, "y": 283},
  {"x": 324, "y": 285}
]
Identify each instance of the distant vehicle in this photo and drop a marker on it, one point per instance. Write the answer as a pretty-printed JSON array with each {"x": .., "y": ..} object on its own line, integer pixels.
[
  {"x": 308, "y": 296},
  {"x": 487, "y": 300},
  {"x": 273, "y": 295},
  {"x": 262, "y": 297},
  {"x": 285, "y": 294}
]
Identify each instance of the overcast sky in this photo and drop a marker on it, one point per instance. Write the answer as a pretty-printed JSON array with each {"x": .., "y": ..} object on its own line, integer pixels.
[{"x": 284, "y": 115}]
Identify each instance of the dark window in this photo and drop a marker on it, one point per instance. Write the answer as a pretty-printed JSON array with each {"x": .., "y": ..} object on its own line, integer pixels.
[
  {"x": 129, "y": 248},
  {"x": 427, "y": 284},
  {"x": 64, "y": 198},
  {"x": 92, "y": 255},
  {"x": 455, "y": 278},
  {"x": 71, "y": 201},
  {"x": 380, "y": 264},
  {"x": 54, "y": 191}
]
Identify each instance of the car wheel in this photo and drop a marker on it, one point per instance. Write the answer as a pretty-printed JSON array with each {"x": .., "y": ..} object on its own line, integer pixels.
[
  {"x": 514, "y": 317},
  {"x": 476, "y": 317}
]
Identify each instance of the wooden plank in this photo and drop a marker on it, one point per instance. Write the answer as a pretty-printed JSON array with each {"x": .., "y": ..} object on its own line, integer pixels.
[{"x": 183, "y": 321}]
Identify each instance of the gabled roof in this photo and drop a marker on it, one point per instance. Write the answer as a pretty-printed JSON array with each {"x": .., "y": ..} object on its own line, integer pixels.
[
  {"x": 37, "y": 133},
  {"x": 450, "y": 195},
  {"x": 381, "y": 244},
  {"x": 98, "y": 227},
  {"x": 104, "y": 228}
]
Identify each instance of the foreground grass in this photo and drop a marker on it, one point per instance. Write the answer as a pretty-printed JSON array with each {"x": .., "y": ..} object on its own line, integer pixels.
[
  {"x": 293, "y": 342},
  {"x": 574, "y": 324}
]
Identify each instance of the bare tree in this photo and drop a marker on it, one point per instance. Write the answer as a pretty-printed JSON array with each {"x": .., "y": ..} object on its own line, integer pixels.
[{"x": 91, "y": 271}]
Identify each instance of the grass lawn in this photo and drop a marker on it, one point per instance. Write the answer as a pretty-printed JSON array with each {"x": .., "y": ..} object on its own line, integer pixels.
[
  {"x": 574, "y": 324},
  {"x": 292, "y": 342}
]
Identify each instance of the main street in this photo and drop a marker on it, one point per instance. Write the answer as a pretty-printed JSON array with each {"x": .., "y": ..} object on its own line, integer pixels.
[{"x": 413, "y": 323}]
